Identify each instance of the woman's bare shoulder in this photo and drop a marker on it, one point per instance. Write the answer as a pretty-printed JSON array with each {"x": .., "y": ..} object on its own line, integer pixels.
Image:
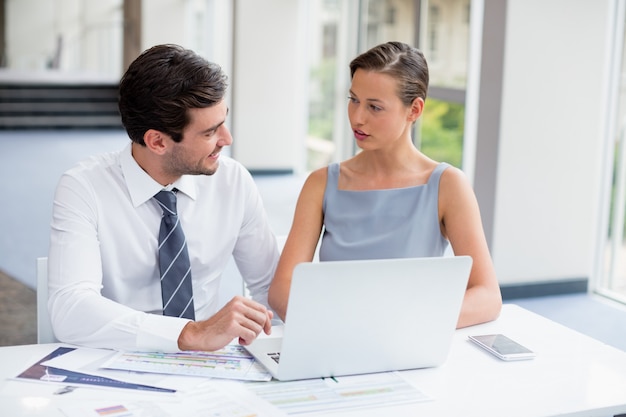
[
  {"x": 315, "y": 183},
  {"x": 453, "y": 177},
  {"x": 318, "y": 177}
]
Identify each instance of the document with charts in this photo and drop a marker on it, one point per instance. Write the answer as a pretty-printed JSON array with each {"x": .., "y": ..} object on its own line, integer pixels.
[
  {"x": 231, "y": 362},
  {"x": 340, "y": 393},
  {"x": 42, "y": 372},
  {"x": 89, "y": 361}
]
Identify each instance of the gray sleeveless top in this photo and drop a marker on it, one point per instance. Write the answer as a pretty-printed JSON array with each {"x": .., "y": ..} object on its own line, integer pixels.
[{"x": 379, "y": 224}]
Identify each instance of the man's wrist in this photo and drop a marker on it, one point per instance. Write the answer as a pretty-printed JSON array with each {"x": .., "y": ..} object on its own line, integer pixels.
[{"x": 187, "y": 336}]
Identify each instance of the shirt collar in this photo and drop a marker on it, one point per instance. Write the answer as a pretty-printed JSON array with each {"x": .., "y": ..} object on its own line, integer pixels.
[{"x": 142, "y": 187}]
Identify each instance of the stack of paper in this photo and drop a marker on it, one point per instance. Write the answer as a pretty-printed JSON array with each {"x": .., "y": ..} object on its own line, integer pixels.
[{"x": 226, "y": 383}]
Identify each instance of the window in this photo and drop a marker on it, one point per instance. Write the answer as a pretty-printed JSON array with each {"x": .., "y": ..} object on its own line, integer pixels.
[
  {"x": 433, "y": 27},
  {"x": 446, "y": 43},
  {"x": 442, "y": 131},
  {"x": 611, "y": 280},
  {"x": 330, "y": 41}
]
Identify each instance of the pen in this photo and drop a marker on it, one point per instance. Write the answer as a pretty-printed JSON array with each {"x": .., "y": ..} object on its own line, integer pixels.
[{"x": 64, "y": 390}]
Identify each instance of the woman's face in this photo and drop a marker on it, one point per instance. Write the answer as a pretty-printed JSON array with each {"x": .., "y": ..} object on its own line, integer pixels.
[{"x": 377, "y": 115}]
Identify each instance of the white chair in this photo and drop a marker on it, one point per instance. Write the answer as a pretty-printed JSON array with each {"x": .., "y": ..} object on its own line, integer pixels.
[
  {"x": 44, "y": 326},
  {"x": 232, "y": 282}
]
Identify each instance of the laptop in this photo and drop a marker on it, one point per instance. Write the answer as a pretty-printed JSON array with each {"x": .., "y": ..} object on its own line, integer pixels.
[{"x": 366, "y": 316}]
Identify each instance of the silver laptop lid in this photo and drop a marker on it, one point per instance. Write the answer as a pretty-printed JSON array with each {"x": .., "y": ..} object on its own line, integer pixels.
[{"x": 351, "y": 317}]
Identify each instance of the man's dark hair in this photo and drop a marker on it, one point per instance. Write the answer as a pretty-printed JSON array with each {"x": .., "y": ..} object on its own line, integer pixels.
[{"x": 161, "y": 85}]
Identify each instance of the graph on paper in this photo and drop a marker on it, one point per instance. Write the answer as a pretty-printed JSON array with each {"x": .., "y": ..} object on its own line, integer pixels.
[
  {"x": 347, "y": 393},
  {"x": 231, "y": 362}
]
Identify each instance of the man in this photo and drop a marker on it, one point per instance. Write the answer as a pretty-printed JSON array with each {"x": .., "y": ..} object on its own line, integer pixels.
[{"x": 106, "y": 282}]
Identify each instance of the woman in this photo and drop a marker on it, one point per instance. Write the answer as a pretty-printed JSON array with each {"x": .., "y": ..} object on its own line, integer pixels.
[{"x": 390, "y": 200}]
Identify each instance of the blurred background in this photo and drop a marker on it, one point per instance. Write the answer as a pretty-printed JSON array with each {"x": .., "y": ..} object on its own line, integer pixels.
[{"x": 526, "y": 96}]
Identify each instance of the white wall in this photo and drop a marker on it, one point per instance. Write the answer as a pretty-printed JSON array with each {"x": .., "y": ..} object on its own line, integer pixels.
[
  {"x": 269, "y": 78},
  {"x": 550, "y": 146}
]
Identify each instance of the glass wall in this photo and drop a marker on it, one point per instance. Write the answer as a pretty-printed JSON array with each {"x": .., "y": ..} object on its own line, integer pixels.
[
  {"x": 85, "y": 38},
  {"x": 71, "y": 36},
  {"x": 81, "y": 38},
  {"x": 611, "y": 280},
  {"x": 444, "y": 39},
  {"x": 342, "y": 29}
]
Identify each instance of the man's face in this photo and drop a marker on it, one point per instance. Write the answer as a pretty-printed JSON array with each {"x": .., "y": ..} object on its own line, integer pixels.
[{"x": 203, "y": 139}]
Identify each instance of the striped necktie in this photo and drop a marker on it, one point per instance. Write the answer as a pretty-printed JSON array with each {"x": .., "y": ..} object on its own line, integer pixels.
[{"x": 174, "y": 261}]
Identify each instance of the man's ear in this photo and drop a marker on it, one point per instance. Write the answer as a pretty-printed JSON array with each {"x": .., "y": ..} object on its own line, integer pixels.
[
  {"x": 417, "y": 107},
  {"x": 156, "y": 141}
]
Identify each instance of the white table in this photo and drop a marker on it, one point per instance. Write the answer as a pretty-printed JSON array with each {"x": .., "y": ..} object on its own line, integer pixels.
[{"x": 572, "y": 375}]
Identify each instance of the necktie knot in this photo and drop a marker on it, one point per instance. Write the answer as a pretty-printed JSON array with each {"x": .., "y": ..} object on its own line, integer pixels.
[{"x": 167, "y": 201}]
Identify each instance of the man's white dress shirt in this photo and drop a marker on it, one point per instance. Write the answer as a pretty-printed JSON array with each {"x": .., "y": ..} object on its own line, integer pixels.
[{"x": 103, "y": 268}]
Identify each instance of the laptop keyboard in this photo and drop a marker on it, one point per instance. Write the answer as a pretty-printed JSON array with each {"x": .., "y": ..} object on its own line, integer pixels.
[{"x": 275, "y": 356}]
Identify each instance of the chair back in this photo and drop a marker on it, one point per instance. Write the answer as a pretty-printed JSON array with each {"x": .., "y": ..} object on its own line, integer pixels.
[{"x": 44, "y": 326}]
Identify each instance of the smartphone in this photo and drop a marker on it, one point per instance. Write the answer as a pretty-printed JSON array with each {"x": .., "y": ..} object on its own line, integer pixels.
[{"x": 502, "y": 347}]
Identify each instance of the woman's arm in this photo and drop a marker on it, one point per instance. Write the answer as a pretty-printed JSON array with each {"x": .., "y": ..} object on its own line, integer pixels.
[
  {"x": 301, "y": 241},
  {"x": 461, "y": 223}
]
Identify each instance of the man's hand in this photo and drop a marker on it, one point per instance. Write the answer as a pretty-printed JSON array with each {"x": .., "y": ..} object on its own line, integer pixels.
[{"x": 241, "y": 318}]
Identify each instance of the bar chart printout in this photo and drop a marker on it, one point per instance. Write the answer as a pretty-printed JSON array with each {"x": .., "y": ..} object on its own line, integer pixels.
[
  {"x": 350, "y": 392},
  {"x": 231, "y": 362}
]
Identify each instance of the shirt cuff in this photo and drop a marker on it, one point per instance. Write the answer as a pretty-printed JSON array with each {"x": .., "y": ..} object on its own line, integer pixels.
[{"x": 160, "y": 333}]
